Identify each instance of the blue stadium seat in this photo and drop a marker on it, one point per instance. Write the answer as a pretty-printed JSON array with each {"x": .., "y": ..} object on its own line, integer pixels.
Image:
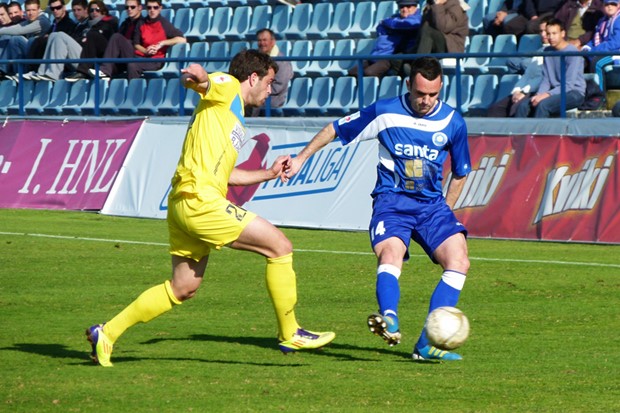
[
  {"x": 167, "y": 13},
  {"x": 301, "y": 48},
  {"x": 28, "y": 88},
  {"x": 385, "y": 9},
  {"x": 237, "y": 3},
  {"x": 506, "y": 84},
  {"x": 40, "y": 97},
  {"x": 173, "y": 95},
  {"x": 493, "y": 6},
  {"x": 389, "y": 87},
  {"x": 281, "y": 19},
  {"x": 261, "y": 18},
  {"x": 285, "y": 46},
  {"x": 236, "y": 47},
  {"x": 198, "y": 52},
  {"x": 117, "y": 91},
  {"x": 364, "y": 46},
  {"x": 60, "y": 94},
  {"x": 344, "y": 96},
  {"x": 170, "y": 69},
  {"x": 321, "y": 21},
  {"x": 8, "y": 93},
  {"x": 136, "y": 90},
  {"x": 476, "y": 12},
  {"x": 370, "y": 87},
  {"x": 183, "y": 19},
  {"x": 300, "y": 22},
  {"x": 153, "y": 97},
  {"x": 467, "y": 82},
  {"x": 343, "y": 47},
  {"x": 298, "y": 96},
  {"x": 78, "y": 95},
  {"x": 222, "y": 17},
  {"x": 322, "y": 48},
  {"x": 191, "y": 100},
  {"x": 218, "y": 50},
  {"x": 342, "y": 22},
  {"x": 320, "y": 96},
  {"x": 88, "y": 108},
  {"x": 364, "y": 20},
  {"x": 479, "y": 43},
  {"x": 483, "y": 95},
  {"x": 503, "y": 43},
  {"x": 445, "y": 86},
  {"x": 529, "y": 43},
  {"x": 240, "y": 24},
  {"x": 200, "y": 25}
]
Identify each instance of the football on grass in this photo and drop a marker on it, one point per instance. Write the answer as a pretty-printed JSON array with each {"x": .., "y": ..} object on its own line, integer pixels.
[{"x": 447, "y": 328}]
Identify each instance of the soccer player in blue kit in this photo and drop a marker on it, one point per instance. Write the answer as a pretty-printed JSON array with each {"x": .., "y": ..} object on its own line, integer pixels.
[{"x": 416, "y": 132}]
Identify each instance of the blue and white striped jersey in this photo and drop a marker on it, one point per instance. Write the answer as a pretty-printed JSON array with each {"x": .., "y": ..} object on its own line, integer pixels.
[{"x": 412, "y": 149}]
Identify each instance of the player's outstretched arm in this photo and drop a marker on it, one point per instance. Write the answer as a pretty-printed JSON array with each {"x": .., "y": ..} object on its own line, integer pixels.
[
  {"x": 195, "y": 77},
  {"x": 242, "y": 177},
  {"x": 325, "y": 136}
]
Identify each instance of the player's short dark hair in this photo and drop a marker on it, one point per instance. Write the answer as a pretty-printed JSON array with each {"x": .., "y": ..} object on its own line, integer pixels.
[
  {"x": 428, "y": 67},
  {"x": 246, "y": 62},
  {"x": 556, "y": 22}
]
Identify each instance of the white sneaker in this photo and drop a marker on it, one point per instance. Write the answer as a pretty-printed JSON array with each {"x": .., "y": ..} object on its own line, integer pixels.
[
  {"x": 102, "y": 75},
  {"x": 31, "y": 76}
]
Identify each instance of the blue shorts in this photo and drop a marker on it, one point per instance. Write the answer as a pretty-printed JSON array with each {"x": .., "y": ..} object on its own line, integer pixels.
[{"x": 427, "y": 223}]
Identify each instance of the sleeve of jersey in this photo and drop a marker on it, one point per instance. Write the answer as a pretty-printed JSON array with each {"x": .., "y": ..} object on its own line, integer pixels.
[
  {"x": 358, "y": 126},
  {"x": 459, "y": 150},
  {"x": 222, "y": 88}
]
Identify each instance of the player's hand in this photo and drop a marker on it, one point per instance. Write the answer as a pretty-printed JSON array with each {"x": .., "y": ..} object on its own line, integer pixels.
[
  {"x": 193, "y": 75},
  {"x": 291, "y": 169},
  {"x": 279, "y": 165}
]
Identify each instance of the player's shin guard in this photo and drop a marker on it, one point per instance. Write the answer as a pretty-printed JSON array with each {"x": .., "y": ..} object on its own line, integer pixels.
[
  {"x": 446, "y": 294},
  {"x": 388, "y": 289},
  {"x": 282, "y": 287},
  {"x": 150, "y": 304}
]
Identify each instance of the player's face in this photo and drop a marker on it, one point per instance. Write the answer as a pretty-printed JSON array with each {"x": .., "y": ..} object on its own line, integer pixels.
[
  {"x": 80, "y": 13},
  {"x": 32, "y": 11},
  {"x": 58, "y": 9},
  {"x": 265, "y": 42},
  {"x": 555, "y": 35},
  {"x": 261, "y": 89},
  {"x": 153, "y": 9},
  {"x": 133, "y": 9},
  {"x": 424, "y": 93}
]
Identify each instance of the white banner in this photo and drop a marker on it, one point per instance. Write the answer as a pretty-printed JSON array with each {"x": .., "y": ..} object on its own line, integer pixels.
[{"x": 332, "y": 190}]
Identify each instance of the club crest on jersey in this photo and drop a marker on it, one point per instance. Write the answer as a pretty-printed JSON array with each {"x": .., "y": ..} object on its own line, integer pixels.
[
  {"x": 440, "y": 139},
  {"x": 221, "y": 79}
]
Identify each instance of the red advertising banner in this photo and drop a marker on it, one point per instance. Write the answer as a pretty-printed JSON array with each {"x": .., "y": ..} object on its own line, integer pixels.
[
  {"x": 543, "y": 187},
  {"x": 61, "y": 165}
]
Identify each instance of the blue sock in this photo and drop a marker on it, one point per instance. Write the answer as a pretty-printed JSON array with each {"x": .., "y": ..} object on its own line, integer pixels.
[
  {"x": 446, "y": 294},
  {"x": 388, "y": 290}
]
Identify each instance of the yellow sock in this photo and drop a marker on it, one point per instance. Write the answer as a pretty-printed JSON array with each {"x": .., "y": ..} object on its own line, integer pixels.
[
  {"x": 282, "y": 287},
  {"x": 151, "y": 303}
]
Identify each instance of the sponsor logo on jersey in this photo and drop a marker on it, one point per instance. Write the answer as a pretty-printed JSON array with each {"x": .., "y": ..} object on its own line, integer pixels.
[
  {"x": 236, "y": 136},
  {"x": 348, "y": 118},
  {"x": 408, "y": 150}
]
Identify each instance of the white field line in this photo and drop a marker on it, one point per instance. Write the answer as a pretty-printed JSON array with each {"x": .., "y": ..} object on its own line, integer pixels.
[{"x": 162, "y": 244}]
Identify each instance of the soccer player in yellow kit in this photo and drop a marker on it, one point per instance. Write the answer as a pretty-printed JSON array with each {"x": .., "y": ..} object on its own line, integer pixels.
[{"x": 201, "y": 218}]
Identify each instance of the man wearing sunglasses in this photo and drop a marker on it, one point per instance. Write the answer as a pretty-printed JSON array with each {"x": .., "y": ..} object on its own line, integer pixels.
[
  {"x": 14, "y": 39},
  {"x": 152, "y": 38},
  {"x": 62, "y": 23}
]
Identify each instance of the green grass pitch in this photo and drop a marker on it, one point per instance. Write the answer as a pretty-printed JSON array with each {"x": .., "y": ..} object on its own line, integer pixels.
[{"x": 545, "y": 324}]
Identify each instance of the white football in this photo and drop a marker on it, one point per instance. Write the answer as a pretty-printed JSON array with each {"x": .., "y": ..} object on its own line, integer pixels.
[{"x": 447, "y": 328}]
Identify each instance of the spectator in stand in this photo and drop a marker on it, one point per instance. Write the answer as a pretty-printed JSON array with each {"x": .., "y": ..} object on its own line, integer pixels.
[
  {"x": 518, "y": 64},
  {"x": 16, "y": 13},
  {"x": 445, "y": 26},
  {"x": 14, "y": 39},
  {"x": 580, "y": 18},
  {"x": 5, "y": 20},
  {"x": 63, "y": 46},
  {"x": 123, "y": 39},
  {"x": 535, "y": 10},
  {"x": 152, "y": 37},
  {"x": 546, "y": 103},
  {"x": 396, "y": 34},
  {"x": 62, "y": 23},
  {"x": 527, "y": 84},
  {"x": 266, "y": 41},
  {"x": 606, "y": 39},
  {"x": 498, "y": 23}
]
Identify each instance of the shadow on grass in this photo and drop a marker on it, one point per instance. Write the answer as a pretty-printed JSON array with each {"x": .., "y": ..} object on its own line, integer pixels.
[
  {"x": 335, "y": 350},
  {"x": 49, "y": 350}
]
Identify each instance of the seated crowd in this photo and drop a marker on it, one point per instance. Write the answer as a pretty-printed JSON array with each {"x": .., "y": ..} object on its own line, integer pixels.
[{"x": 89, "y": 30}]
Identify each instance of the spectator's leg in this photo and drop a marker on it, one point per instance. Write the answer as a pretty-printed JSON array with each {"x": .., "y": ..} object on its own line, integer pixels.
[
  {"x": 17, "y": 49},
  {"x": 500, "y": 109},
  {"x": 37, "y": 51},
  {"x": 118, "y": 46},
  {"x": 378, "y": 68},
  {"x": 523, "y": 108},
  {"x": 93, "y": 47},
  {"x": 515, "y": 26},
  {"x": 135, "y": 70},
  {"x": 59, "y": 46},
  {"x": 431, "y": 40}
]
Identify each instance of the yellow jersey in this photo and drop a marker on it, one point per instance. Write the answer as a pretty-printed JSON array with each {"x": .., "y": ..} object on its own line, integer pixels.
[{"x": 213, "y": 139}]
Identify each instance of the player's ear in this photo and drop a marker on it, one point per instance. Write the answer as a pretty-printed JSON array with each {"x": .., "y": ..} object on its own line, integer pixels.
[{"x": 253, "y": 78}]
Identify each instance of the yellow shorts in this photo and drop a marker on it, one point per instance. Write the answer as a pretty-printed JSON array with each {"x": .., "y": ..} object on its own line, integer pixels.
[{"x": 197, "y": 225}]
